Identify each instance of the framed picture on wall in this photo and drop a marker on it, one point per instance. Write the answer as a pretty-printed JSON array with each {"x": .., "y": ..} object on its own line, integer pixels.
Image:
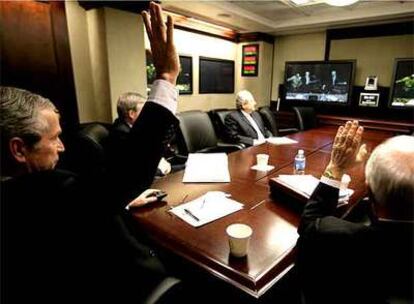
[
  {"x": 402, "y": 86},
  {"x": 216, "y": 76},
  {"x": 250, "y": 60},
  {"x": 185, "y": 78}
]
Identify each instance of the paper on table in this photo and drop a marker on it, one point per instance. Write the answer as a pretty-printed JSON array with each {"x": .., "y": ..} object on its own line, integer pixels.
[
  {"x": 207, "y": 168},
  {"x": 306, "y": 184},
  {"x": 281, "y": 140},
  {"x": 206, "y": 208}
]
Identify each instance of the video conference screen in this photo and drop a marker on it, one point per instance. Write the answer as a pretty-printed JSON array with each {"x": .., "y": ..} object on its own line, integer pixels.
[{"x": 319, "y": 81}]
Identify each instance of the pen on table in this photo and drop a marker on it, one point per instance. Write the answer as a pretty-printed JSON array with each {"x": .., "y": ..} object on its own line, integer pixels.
[
  {"x": 191, "y": 214},
  {"x": 185, "y": 196}
]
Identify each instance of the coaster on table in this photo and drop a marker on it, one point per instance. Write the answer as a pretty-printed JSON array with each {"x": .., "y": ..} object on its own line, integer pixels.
[{"x": 263, "y": 168}]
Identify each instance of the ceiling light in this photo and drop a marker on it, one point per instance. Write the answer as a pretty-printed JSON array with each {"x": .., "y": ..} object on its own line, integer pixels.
[
  {"x": 300, "y": 2},
  {"x": 340, "y": 2}
]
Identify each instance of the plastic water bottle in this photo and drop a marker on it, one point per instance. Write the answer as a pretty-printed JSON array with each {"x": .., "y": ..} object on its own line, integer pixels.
[{"x": 300, "y": 163}]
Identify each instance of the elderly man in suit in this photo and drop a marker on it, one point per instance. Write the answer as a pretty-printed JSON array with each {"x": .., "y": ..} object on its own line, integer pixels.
[
  {"x": 366, "y": 257},
  {"x": 246, "y": 125}
]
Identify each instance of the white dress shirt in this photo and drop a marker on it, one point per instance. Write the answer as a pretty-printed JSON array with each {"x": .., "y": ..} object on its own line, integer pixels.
[{"x": 165, "y": 94}]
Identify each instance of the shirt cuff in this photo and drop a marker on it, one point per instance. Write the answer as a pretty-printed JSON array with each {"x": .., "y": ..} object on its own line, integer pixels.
[
  {"x": 165, "y": 94},
  {"x": 331, "y": 182}
]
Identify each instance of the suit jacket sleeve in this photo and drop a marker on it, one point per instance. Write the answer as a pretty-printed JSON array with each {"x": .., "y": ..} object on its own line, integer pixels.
[
  {"x": 318, "y": 215},
  {"x": 143, "y": 150},
  {"x": 233, "y": 131}
]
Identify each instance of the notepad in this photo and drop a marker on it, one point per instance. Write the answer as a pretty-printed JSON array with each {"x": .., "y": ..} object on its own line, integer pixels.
[
  {"x": 207, "y": 168},
  {"x": 306, "y": 184},
  {"x": 281, "y": 141},
  {"x": 206, "y": 208}
]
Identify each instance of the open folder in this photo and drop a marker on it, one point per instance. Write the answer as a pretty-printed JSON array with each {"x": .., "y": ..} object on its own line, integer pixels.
[
  {"x": 206, "y": 208},
  {"x": 207, "y": 168}
]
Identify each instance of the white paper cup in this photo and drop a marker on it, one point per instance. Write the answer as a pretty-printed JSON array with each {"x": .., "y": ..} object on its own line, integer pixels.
[
  {"x": 262, "y": 160},
  {"x": 239, "y": 237}
]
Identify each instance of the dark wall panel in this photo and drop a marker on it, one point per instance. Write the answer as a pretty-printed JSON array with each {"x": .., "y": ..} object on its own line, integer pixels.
[{"x": 35, "y": 53}]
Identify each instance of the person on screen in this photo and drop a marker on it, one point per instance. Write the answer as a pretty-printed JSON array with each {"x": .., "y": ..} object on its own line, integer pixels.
[
  {"x": 335, "y": 80},
  {"x": 246, "y": 125},
  {"x": 56, "y": 240},
  {"x": 366, "y": 257},
  {"x": 310, "y": 79},
  {"x": 129, "y": 106},
  {"x": 295, "y": 81}
]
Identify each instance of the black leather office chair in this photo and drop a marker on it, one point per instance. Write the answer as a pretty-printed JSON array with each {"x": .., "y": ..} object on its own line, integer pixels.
[
  {"x": 306, "y": 118},
  {"x": 197, "y": 135},
  {"x": 86, "y": 150},
  {"x": 218, "y": 116},
  {"x": 270, "y": 121}
]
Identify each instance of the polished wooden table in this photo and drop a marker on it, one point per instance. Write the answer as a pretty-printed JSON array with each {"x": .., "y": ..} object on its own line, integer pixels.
[{"x": 271, "y": 251}]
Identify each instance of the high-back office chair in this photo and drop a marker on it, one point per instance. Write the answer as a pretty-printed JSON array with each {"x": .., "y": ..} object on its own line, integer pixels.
[
  {"x": 270, "y": 121},
  {"x": 197, "y": 135},
  {"x": 86, "y": 150},
  {"x": 218, "y": 116},
  {"x": 306, "y": 118}
]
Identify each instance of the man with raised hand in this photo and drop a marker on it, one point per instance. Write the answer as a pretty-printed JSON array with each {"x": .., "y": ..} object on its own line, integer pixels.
[
  {"x": 55, "y": 233},
  {"x": 366, "y": 257}
]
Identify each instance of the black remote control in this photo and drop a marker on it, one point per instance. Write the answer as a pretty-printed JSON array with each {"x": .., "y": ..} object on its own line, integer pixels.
[{"x": 159, "y": 195}]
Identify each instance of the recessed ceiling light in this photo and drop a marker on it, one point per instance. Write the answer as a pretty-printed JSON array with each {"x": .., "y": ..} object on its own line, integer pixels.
[
  {"x": 224, "y": 15},
  {"x": 340, "y": 2},
  {"x": 300, "y": 2}
]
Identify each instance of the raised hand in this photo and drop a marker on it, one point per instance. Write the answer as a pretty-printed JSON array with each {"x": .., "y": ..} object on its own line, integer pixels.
[
  {"x": 164, "y": 54},
  {"x": 346, "y": 148}
]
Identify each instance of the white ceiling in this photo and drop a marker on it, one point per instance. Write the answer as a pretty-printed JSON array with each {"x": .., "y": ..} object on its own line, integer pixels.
[{"x": 284, "y": 17}]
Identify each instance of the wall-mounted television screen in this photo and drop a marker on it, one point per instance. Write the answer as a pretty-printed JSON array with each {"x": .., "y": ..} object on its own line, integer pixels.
[
  {"x": 216, "y": 76},
  {"x": 402, "y": 86},
  {"x": 319, "y": 81}
]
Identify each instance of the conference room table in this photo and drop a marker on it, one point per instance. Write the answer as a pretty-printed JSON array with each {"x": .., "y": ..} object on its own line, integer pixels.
[{"x": 274, "y": 221}]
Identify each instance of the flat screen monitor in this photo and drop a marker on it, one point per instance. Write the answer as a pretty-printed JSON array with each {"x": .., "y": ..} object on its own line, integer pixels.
[
  {"x": 216, "y": 75},
  {"x": 402, "y": 86},
  {"x": 327, "y": 82}
]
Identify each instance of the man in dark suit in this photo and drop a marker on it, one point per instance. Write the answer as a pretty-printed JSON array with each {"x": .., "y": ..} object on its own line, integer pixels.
[
  {"x": 366, "y": 257},
  {"x": 246, "y": 125},
  {"x": 129, "y": 106},
  {"x": 56, "y": 227}
]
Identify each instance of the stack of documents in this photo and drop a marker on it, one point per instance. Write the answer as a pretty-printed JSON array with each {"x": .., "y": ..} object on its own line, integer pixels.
[
  {"x": 207, "y": 168},
  {"x": 209, "y": 207},
  {"x": 281, "y": 141},
  {"x": 306, "y": 184}
]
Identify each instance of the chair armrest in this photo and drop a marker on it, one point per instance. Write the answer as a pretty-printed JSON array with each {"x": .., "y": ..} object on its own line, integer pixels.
[
  {"x": 161, "y": 290},
  {"x": 231, "y": 147},
  {"x": 288, "y": 131}
]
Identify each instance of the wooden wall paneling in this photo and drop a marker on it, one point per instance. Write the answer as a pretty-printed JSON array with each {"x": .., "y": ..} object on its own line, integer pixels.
[{"x": 35, "y": 53}]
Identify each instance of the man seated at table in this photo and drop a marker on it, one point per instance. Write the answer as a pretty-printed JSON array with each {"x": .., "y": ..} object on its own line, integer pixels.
[
  {"x": 368, "y": 256},
  {"x": 57, "y": 238},
  {"x": 246, "y": 125},
  {"x": 129, "y": 106}
]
